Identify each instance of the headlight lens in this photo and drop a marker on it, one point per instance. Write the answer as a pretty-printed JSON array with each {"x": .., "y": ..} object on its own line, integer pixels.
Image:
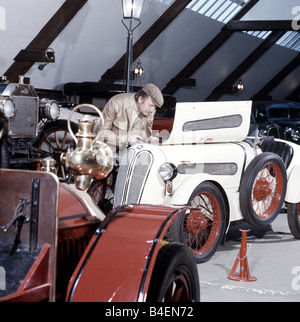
[
  {"x": 49, "y": 109},
  {"x": 7, "y": 107},
  {"x": 167, "y": 171}
]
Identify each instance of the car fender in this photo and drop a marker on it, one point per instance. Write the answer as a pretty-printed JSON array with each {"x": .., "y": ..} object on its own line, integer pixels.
[
  {"x": 184, "y": 191},
  {"x": 118, "y": 264},
  {"x": 230, "y": 194},
  {"x": 293, "y": 190}
]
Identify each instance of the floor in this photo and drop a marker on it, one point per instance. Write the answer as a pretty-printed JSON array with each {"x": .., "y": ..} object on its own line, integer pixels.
[{"x": 273, "y": 257}]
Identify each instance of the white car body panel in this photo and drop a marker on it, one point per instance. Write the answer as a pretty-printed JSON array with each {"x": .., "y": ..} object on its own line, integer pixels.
[
  {"x": 218, "y": 154},
  {"x": 208, "y": 122}
]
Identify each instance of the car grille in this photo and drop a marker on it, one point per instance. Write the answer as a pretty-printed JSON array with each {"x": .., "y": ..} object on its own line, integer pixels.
[
  {"x": 133, "y": 173},
  {"x": 25, "y": 121}
]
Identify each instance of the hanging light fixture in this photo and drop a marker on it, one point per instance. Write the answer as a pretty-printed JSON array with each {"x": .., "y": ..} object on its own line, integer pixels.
[
  {"x": 131, "y": 20},
  {"x": 132, "y": 9}
]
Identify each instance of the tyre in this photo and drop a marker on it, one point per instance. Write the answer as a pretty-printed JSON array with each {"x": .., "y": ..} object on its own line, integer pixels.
[
  {"x": 262, "y": 189},
  {"x": 53, "y": 140},
  {"x": 293, "y": 216},
  {"x": 175, "y": 276},
  {"x": 202, "y": 228}
]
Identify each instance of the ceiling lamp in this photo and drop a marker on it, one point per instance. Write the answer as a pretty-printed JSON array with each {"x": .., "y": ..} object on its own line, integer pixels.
[{"x": 131, "y": 20}]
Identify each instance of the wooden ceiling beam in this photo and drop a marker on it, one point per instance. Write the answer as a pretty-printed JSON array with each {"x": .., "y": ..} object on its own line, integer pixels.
[
  {"x": 259, "y": 25},
  {"x": 147, "y": 38},
  {"x": 46, "y": 36},
  {"x": 207, "y": 51},
  {"x": 275, "y": 81},
  {"x": 245, "y": 65}
]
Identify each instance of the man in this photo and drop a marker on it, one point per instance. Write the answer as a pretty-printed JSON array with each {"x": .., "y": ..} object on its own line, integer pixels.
[{"x": 128, "y": 118}]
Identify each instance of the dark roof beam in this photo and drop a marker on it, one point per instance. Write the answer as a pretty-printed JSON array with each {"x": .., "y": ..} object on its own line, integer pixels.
[
  {"x": 207, "y": 51},
  {"x": 259, "y": 25},
  {"x": 275, "y": 81},
  {"x": 245, "y": 65},
  {"x": 45, "y": 37},
  {"x": 147, "y": 38}
]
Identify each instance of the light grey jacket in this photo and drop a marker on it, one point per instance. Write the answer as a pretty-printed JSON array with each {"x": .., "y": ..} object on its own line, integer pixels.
[{"x": 117, "y": 115}]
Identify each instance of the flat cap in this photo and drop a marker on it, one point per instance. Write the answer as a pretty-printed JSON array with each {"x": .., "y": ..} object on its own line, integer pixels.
[{"x": 154, "y": 93}]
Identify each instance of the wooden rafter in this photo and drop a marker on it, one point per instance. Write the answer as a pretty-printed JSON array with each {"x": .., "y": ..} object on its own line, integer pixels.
[
  {"x": 206, "y": 52},
  {"x": 245, "y": 65},
  {"x": 46, "y": 36},
  {"x": 259, "y": 25},
  {"x": 263, "y": 93},
  {"x": 116, "y": 72}
]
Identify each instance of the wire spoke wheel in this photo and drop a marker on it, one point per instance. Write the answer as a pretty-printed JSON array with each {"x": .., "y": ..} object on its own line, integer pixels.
[
  {"x": 267, "y": 190},
  {"x": 202, "y": 227},
  {"x": 262, "y": 189},
  {"x": 102, "y": 193}
]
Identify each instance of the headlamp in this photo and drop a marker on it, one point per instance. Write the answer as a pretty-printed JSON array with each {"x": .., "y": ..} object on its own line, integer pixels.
[
  {"x": 7, "y": 107},
  {"x": 167, "y": 171},
  {"x": 49, "y": 109}
]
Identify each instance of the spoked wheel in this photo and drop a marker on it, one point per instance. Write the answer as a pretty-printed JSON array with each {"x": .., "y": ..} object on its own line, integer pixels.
[
  {"x": 262, "y": 189},
  {"x": 53, "y": 140},
  {"x": 201, "y": 228},
  {"x": 175, "y": 276},
  {"x": 101, "y": 191},
  {"x": 293, "y": 216}
]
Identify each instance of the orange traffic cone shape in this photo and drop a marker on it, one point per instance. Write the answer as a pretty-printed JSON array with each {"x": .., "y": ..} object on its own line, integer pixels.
[{"x": 244, "y": 275}]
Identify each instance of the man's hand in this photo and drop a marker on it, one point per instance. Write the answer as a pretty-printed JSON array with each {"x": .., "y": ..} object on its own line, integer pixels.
[
  {"x": 134, "y": 139},
  {"x": 154, "y": 140}
]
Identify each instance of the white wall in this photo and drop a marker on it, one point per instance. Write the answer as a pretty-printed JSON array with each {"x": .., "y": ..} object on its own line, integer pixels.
[{"x": 95, "y": 39}]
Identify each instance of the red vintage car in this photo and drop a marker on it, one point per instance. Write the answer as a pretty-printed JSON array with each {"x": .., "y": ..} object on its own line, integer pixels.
[{"x": 54, "y": 246}]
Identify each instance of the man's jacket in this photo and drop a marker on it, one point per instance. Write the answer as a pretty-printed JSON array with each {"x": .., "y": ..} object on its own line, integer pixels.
[{"x": 117, "y": 115}]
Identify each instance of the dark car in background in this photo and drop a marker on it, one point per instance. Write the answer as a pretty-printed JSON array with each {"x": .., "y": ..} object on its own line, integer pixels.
[{"x": 278, "y": 119}]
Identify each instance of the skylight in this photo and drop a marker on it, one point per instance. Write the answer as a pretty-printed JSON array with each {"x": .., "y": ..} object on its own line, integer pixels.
[
  {"x": 290, "y": 39},
  {"x": 225, "y": 10},
  {"x": 221, "y": 10}
]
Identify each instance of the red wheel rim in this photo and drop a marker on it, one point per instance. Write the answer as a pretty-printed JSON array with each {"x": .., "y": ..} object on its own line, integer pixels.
[
  {"x": 201, "y": 226},
  {"x": 178, "y": 290},
  {"x": 267, "y": 190}
]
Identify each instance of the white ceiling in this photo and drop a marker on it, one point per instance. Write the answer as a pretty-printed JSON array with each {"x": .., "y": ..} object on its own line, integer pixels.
[{"x": 95, "y": 39}]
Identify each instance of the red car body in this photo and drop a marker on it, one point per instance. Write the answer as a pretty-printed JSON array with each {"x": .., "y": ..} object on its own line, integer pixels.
[{"x": 72, "y": 255}]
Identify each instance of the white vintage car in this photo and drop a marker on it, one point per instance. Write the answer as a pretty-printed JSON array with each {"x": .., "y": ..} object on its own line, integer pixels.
[{"x": 208, "y": 162}]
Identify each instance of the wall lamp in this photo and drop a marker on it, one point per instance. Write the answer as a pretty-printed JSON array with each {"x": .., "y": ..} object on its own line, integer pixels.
[
  {"x": 237, "y": 89},
  {"x": 138, "y": 71},
  {"x": 37, "y": 55}
]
